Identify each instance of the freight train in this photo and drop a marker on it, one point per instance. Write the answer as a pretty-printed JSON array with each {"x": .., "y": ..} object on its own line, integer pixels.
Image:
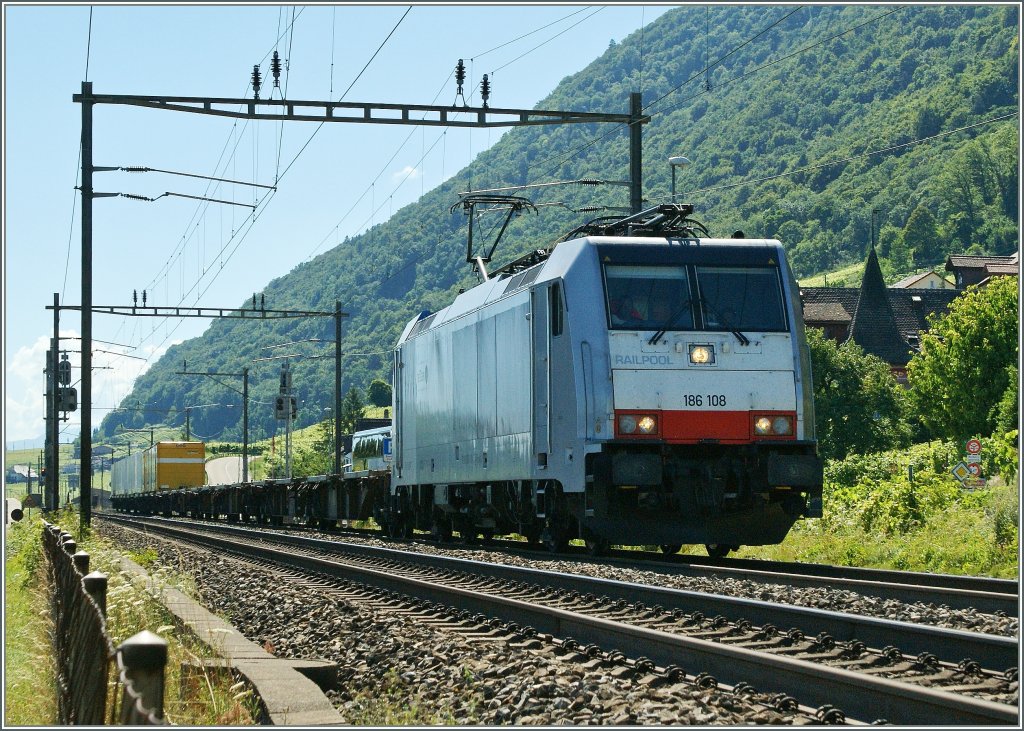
[{"x": 637, "y": 383}]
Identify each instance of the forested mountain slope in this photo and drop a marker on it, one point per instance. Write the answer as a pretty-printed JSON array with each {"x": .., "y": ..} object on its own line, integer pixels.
[{"x": 780, "y": 133}]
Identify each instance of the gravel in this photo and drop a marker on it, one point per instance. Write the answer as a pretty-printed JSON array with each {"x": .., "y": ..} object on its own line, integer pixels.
[
  {"x": 395, "y": 668},
  {"x": 818, "y": 598}
]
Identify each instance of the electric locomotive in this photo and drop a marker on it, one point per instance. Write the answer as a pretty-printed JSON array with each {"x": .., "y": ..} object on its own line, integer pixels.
[{"x": 638, "y": 383}]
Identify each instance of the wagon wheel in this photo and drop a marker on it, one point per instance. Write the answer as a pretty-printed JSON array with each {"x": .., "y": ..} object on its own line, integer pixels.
[
  {"x": 719, "y": 550},
  {"x": 670, "y": 549}
]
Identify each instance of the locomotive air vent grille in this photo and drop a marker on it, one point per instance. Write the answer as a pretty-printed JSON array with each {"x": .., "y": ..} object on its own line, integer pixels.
[
  {"x": 522, "y": 279},
  {"x": 422, "y": 325},
  {"x": 515, "y": 282},
  {"x": 531, "y": 275}
]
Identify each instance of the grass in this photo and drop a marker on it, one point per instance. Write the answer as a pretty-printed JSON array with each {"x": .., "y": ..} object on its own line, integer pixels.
[
  {"x": 846, "y": 277},
  {"x": 192, "y": 696},
  {"x": 29, "y": 684},
  {"x": 976, "y": 536},
  {"x": 393, "y": 704}
]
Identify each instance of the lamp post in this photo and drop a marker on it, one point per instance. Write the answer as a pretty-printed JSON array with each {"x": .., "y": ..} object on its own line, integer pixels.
[{"x": 677, "y": 162}]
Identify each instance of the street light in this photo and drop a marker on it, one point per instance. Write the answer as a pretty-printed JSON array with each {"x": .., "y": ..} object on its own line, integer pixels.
[{"x": 677, "y": 162}]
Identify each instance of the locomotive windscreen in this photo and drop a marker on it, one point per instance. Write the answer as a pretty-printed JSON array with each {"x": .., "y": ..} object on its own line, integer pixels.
[
  {"x": 648, "y": 296},
  {"x": 741, "y": 298},
  {"x": 645, "y": 296}
]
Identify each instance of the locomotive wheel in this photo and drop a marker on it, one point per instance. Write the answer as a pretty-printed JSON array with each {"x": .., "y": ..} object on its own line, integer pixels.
[
  {"x": 532, "y": 538},
  {"x": 556, "y": 537},
  {"x": 441, "y": 530},
  {"x": 719, "y": 550},
  {"x": 670, "y": 548},
  {"x": 467, "y": 531},
  {"x": 396, "y": 527},
  {"x": 596, "y": 546}
]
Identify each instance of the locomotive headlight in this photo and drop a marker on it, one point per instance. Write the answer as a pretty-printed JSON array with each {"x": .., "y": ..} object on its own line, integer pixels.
[
  {"x": 702, "y": 354},
  {"x": 648, "y": 425},
  {"x": 782, "y": 425},
  {"x": 640, "y": 425},
  {"x": 762, "y": 426}
]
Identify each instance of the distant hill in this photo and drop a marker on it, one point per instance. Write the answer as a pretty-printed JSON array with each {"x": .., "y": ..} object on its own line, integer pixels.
[{"x": 816, "y": 94}]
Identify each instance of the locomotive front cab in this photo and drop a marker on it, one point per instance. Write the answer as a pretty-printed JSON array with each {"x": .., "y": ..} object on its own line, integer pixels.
[{"x": 713, "y": 423}]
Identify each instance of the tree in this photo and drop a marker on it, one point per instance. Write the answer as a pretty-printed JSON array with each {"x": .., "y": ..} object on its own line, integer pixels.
[
  {"x": 858, "y": 406},
  {"x": 963, "y": 369},
  {"x": 318, "y": 459},
  {"x": 921, "y": 235},
  {"x": 379, "y": 393},
  {"x": 351, "y": 410}
]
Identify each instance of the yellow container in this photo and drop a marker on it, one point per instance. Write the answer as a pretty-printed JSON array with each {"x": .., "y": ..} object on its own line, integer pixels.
[{"x": 172, "y": 465}]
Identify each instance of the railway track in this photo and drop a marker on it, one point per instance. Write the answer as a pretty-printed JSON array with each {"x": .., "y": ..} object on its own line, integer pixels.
[
  {"x": 983, "y": 594},
  {"x": 825, "y": 659}
]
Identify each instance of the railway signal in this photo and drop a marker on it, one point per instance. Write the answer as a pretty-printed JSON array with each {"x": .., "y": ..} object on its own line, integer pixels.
[{"x": 64, "y": 371}]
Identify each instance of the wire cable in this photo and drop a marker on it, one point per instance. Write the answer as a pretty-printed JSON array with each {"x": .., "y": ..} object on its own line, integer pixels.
[
  {"x": 265, "y": 200},
  {"x": 539, "y": 45}
]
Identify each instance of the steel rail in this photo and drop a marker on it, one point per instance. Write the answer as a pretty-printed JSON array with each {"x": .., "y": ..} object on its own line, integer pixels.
[
  {"x": 861, "y": 696},
  {"x": 916, "y": 578}
]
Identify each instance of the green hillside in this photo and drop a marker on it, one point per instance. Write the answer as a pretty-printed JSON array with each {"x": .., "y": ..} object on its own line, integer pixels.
[{"x": 781, "y": 146}]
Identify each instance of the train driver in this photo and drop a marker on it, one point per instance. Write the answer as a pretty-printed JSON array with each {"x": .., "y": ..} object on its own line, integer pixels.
[{"x": 624, "y": 312}]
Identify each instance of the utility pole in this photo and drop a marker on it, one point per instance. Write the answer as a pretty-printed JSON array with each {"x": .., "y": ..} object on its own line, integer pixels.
[
  {"x": 307, "y": 111},
  {"x": 245, "y": 408},
  {"x": 636, "y": 119},
  {"x": 52, "y": 486},
  {"x": 85, "y": 435},
  {"x": 338, "y": 314}
]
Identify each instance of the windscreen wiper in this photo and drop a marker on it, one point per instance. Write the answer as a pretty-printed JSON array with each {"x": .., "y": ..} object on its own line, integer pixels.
[
  {"x": 668, "y": 323},
  {"x": 743, "y": 339}
]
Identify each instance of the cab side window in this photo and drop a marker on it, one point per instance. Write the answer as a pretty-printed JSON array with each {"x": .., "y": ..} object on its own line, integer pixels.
[{"x": 557, "y": 311}]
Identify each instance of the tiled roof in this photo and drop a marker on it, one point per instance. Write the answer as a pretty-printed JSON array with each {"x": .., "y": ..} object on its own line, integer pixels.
[
  {"x": 976, "y": 262},
  {"x": 830, "y": 312},
  {"x": 1001, "y": 268},
  {"x": 881, "y": 318},
  {"x": 911, "y": 307}
]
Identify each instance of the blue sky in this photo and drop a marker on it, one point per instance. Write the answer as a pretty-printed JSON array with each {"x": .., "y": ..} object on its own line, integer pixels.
[{"x": 187, "y": 253}]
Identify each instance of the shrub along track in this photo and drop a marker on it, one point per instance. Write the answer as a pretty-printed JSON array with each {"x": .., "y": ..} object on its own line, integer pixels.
[{"x": 823, "y": 671}]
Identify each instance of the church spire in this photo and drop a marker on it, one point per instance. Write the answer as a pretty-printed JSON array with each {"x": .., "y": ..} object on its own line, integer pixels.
[{"x": 874, "y": 326}]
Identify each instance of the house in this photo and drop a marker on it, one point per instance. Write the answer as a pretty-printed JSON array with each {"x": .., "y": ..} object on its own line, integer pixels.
[
  {"x": 969, "y": 270},
  {"x": 928, "y": 280},
  {"x": 884, "y": 321}
]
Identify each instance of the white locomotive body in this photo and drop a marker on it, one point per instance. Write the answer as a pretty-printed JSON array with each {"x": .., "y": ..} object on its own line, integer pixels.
[{"x": 631, "y": 390}]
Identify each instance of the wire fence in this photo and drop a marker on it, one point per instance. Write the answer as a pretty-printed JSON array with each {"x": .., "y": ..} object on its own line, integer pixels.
[{"x": 84, "y": 651}]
